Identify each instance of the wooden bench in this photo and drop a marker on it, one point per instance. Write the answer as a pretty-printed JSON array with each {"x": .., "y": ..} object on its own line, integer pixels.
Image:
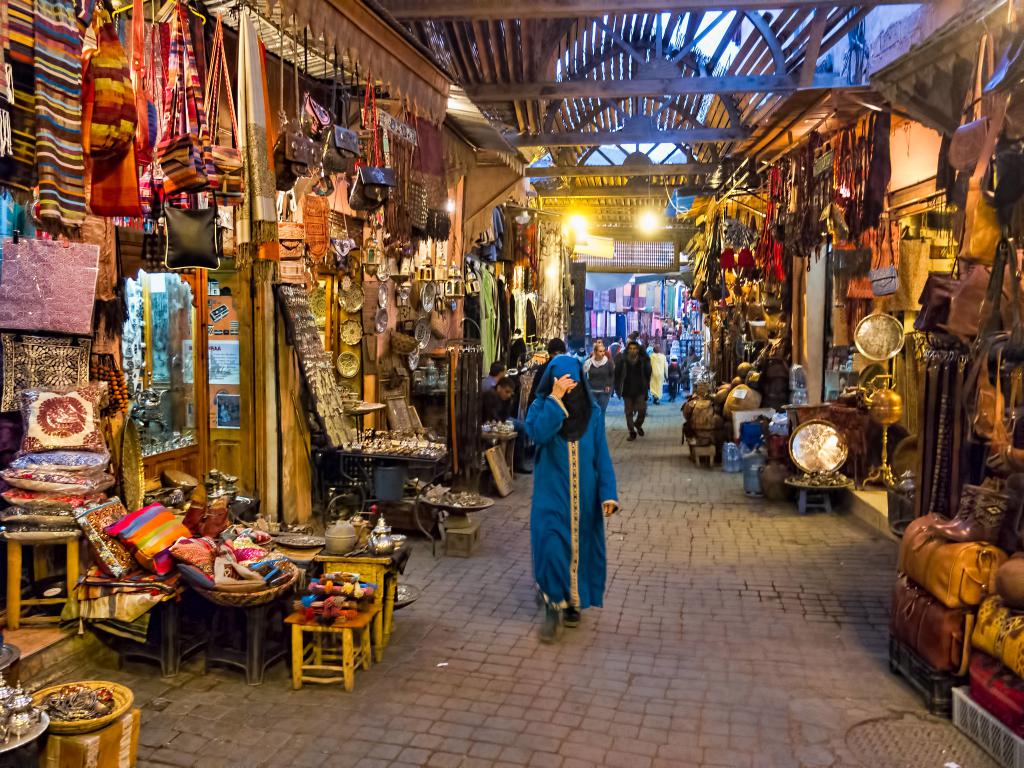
[{"x": 331, "y": 648}]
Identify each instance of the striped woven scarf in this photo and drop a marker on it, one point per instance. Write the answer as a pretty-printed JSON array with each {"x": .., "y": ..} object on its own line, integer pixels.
[{"x": 58, "y": 85}]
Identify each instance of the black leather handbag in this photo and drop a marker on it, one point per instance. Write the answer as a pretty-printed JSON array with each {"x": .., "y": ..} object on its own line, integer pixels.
[
  {"x": 191, "y": 238},
  {"x": 372, "y": 187}
]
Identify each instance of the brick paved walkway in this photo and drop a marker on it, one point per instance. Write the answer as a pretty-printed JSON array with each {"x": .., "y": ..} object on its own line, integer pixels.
[{"x": 734, "y": 633}]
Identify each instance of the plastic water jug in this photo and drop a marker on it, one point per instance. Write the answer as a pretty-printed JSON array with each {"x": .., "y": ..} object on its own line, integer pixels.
[
  {"x": 731, "y": 461},
  {"x": 752, "y": 464}
]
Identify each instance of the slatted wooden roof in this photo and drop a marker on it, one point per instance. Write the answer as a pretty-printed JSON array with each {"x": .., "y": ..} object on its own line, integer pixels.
[{"x": 587, "y": 85}]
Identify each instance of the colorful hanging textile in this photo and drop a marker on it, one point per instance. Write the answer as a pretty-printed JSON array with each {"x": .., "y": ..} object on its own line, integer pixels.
[
  {"x": 18, "y": 170},
  {"x": 58, "y": 85},
  {"x": 256, "y": 218}
]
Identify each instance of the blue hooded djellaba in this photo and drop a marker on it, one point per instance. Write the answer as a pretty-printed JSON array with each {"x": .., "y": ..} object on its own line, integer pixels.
[{"x": 573, "y": 477}]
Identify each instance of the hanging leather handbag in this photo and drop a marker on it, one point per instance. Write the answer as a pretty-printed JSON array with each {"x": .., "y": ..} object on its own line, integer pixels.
[
  {"x": 294, "y": 152},
  {"x": 968, "y": 140},
  {"x": 373, "y": 182},
  {"x": 935, "y": 301},
  {"x": 939, "y": 635},
  {"x": 226, "y": 180},
  {"x": 981, "y": 230},
  {"x": 883, "y": 276},
  {"x": 209, "y": 521},
  {"x": 191, "y": 238},
  {"x": 957, "y": 575},
  {"x": 341, "y": 146},
  {"x": 180, "y": 153}
]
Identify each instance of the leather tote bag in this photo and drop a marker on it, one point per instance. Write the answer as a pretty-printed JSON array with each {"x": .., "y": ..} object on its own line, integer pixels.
[{"x": 192, "y": 240}]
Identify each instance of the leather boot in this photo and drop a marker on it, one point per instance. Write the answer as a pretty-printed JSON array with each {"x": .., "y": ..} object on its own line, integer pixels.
[
  {"x": 551, "y": 629},
  {"x": 979, "y": 517}
]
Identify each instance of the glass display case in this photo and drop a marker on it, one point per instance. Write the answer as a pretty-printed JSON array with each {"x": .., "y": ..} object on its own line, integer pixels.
[{"x": 160, "y": 361}]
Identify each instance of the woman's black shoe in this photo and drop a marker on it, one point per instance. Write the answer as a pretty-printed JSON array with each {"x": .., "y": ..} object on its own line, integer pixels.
[{"x": 571, "y": 616}]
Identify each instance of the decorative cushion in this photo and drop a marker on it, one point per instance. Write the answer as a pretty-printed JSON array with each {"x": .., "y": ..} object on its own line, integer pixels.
[
  {"x": 113, "y": 557},
  {"x": 151, "y": 531},
  {"x": 62, "y": 461},
  {"x": 195, "y": 577},
  {"x": 63, "y": 418},
  {"x": 41, "y": 362},
  {"x": 57, "y": 482},
  {"x": 37, "y": 500},
  {"x": 198, "y": 553}
]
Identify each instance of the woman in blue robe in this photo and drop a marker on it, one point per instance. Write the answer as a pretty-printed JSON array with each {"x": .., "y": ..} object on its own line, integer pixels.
[{"x": 573, "y": 491}]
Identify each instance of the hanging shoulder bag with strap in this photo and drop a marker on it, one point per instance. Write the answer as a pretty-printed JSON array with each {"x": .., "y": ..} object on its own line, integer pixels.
[
  {"x": 109, "y": 113},
  {"x": 181, "y": 152},
  {"x": 192, "y": 238},
  {"x": 294, "y": 152},
  {"x": 226, "y": 159},
  {"x": 373, "y": 182}
]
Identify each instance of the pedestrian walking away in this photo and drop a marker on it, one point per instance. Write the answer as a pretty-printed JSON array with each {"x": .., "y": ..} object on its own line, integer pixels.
[
  {"x": 632, "y": 382},
  {"x": 600, "y": 371},
  {"x": 675, "y": 375},
  {"x": 573, "y": 491},
  {"x": 659, "y": 368}
]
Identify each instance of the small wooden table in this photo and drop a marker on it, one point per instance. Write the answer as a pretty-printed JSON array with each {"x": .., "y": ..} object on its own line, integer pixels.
[
  {"x": 14, "y": 599},
  {"x": 381, "y": 570},
  {"x": 321, "y": 656}
]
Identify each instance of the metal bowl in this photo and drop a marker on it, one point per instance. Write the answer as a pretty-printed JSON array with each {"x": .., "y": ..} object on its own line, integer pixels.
[
  {"x": 817, "y": 446},
  {"x": 427, "y": 296},
  {"x": 879, "y": 336}
]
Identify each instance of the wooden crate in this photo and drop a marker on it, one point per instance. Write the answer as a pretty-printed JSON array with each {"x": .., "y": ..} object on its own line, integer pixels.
[{"x": 462, "y": 542}]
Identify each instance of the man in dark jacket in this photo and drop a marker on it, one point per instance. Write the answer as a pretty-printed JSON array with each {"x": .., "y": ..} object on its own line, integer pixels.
[{"x": 632, "y": 381}]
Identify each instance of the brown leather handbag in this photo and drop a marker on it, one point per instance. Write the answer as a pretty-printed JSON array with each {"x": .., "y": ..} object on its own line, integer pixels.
[
  {"x": 941, "y": 636},
  {"x": 957, "y": 575},
  {"x": 209, "y": 521}
]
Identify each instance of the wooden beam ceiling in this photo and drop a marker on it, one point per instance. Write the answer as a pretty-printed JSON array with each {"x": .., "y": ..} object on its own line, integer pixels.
[
  {"x": 628, "y": 135},
  {"x": 427, "y": 10},
  {"x": 590, "y": 171},
  {"x": 656, "y": 192},
  {"x": 623, "y": 89}
]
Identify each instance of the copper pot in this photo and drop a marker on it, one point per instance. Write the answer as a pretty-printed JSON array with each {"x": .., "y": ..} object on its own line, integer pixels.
[{"x": 885, "y": 406}]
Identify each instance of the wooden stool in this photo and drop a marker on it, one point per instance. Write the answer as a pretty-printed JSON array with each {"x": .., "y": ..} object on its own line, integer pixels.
[
  {"x": 321, "y": 654},
  {"x": 461, "y": 540},
  {"x": 14, "y": 599},
  {"x": 810, "y": 500},
  {"x": 702, "y": 454}
]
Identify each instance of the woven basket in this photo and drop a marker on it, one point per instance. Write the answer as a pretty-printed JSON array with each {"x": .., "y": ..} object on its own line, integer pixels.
[
  {"x": 403, "y": 344},
  {"x": 251, "y": 599},
  {"x": 123, "y": 699}
]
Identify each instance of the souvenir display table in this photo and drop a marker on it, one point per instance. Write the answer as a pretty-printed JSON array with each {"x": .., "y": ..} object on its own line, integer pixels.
[{"x": 382, "y": 570}]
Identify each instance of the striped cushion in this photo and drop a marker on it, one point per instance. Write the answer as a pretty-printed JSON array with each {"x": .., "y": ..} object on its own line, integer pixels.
[{"x": 151, "y": 531}]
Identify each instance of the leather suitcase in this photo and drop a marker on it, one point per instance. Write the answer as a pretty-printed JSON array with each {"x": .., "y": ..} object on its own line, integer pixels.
[
  {"x": 939, "y": 635},
  {"x": 958, "y": 575},
  {"x": 997, "y": 690}
]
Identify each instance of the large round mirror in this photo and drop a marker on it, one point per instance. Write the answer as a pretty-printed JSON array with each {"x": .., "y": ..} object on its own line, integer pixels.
[{"x": 817, "y": 446}]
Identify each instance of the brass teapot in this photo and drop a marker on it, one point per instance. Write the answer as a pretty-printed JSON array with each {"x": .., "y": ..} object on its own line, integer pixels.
[{"x": 885, "y": 406}]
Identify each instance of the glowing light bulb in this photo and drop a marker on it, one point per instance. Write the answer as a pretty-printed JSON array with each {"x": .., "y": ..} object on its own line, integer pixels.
[{"x": 648, "y": 222}]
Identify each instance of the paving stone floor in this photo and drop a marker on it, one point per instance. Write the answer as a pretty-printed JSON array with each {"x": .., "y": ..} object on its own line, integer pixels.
[{"x": 734, "y": 633}]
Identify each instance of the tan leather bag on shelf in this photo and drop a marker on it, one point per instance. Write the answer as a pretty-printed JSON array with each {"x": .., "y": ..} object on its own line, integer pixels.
[{"x": 957, "y": 575}]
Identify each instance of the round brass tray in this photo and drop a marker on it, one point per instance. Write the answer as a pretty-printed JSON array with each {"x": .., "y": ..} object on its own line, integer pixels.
[
  {"x": 879, "y": 336},
  {"x": 348, "y": 364},
  {"x": 351, "y": 332},
  {"x": 352, "y": 298},
  {"x": 817, "y": 446}
]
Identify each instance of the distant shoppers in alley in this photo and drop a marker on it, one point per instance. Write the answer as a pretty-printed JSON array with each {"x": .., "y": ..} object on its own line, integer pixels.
[
  {"x": 496, "y": 374},
  {"x": 573, "y": 491},
  {"x": 555, "y": 347},
  {"x": 659, "y": 369},
  {"x": 675, "y": 375},
  {"x": 600, "y": 371},
  {"x": 632, "y": 382}
]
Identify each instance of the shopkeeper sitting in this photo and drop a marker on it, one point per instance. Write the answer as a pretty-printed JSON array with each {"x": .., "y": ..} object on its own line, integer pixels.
[
  {"x": 497, "y": 405},
  {"x": 496, "y": 374},
  {"x": 496, "y": 402}
]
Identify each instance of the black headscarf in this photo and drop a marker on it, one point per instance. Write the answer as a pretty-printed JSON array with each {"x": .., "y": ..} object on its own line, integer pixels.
[{"x": 579, "y": 402}]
